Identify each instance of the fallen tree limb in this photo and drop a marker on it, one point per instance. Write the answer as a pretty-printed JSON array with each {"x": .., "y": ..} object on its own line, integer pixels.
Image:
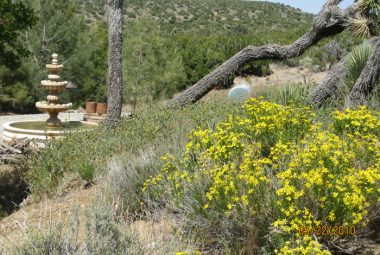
[{"x": 330, "y": 21}]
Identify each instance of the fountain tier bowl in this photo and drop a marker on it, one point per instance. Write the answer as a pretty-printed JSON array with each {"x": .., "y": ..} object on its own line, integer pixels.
[
  {"x": 28, "y": 130},
  {"x": 54, "y": 86},
  {"x": 54, "y": 68},
  {"x": 46, "y": 107}
]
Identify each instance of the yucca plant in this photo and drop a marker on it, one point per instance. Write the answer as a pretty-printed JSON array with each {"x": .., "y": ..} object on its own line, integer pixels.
[
  {"x": 361, "y": 27},
  {"x": 285, "y": 93},
  {"x": 288, "y": 93},
  {"x": 366, "y": 23},
  {"x": 366, "y": 5},
  {"x": 355, "y": 62}
]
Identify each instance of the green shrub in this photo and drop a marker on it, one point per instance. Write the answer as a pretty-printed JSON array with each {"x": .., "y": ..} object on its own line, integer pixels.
[{"x": 86, "y": 170}]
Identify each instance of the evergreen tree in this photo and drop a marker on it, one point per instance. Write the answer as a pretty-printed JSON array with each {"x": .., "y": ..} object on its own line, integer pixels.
[
  {"x": 15, "y": 17},
  {"x": 153, "y": 66}
]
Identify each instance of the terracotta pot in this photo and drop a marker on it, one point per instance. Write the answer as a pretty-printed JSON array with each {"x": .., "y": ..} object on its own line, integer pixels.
[
  {"x": 90, "y": 107},
  {"x": 101, "y": 108}
]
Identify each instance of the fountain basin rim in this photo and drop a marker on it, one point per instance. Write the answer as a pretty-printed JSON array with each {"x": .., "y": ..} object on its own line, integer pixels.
[
  {"x": 37, "y": 137},
  {"x": 7, "y": 127}
]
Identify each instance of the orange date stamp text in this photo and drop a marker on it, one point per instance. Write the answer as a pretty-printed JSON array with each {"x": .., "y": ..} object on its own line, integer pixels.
[{"x": 327, "y": 230}]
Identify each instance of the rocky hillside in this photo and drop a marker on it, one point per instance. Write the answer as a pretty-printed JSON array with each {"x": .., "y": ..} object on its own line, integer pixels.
[{"x": 208, "y": 16}]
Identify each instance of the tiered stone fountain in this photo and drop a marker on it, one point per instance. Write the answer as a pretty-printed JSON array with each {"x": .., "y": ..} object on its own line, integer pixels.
[
  {"x": 53, "y": 127},
  {"x": 54, "y": 87}
]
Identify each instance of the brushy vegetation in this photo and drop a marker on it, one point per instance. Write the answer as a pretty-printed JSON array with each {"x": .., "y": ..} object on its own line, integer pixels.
[
  {"x": 254, "y": 180},
  {"x": 103, "y": 233},
  {"x": 210, "y": 16},
  {"x": 157, "y": 128},
  {"x": 100, "y": 229},
  {"x": 240, "y": 179}
]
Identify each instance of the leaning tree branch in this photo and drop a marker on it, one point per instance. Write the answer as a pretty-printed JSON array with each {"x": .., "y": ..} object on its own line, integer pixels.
[
  {"x": 368, "y": 78},
  {"x": 331, "y": 20}
]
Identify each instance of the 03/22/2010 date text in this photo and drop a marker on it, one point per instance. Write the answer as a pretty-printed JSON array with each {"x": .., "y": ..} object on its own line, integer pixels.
[{"x": 327, "y": 230}]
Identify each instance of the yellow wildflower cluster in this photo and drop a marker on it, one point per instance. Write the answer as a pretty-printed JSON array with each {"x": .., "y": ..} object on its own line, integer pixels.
[
  {"x": 304, "y": 245},
  {"x": 188, "y": 253},
  {"x": 277, "y": 160},
  {"x": 361, "y": 121}
]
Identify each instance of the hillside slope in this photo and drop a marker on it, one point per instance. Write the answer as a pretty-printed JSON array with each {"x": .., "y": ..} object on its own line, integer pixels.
[{"x": 208, "y": 16}]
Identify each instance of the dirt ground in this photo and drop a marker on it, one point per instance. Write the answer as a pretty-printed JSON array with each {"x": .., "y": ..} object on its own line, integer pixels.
[
  {"x": 281, "y": 75},
  {"x": 44, "y": 215}
]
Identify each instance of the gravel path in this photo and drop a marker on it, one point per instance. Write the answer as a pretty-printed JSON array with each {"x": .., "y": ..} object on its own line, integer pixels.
[{"x": 42, "y": 116}]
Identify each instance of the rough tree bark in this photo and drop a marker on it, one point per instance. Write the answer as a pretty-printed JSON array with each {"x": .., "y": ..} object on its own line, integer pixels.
[
  {"x": 115, "y": 71},
  {"x": 368, "y": 78},
  {"x": 331, "y": 20},
  {"x": 330, "y": 85}
]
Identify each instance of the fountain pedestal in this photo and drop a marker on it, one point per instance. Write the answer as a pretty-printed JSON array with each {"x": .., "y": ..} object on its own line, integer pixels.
[{"x": 53, "y": 120}]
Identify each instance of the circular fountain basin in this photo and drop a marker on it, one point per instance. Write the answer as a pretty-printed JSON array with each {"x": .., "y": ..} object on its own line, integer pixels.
[{"x": 28, "y": 130}]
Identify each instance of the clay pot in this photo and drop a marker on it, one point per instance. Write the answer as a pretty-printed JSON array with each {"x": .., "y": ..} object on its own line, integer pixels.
[
  {"x": 90, "y": 107},
  {"x": 101, "y": 108}
]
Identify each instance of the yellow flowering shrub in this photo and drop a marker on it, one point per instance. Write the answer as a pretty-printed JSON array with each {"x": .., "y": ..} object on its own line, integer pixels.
[
  {"x": 301, "y": 246},
  {"x": 361, "y": 121},
  {"x": 274, "y": 169}
]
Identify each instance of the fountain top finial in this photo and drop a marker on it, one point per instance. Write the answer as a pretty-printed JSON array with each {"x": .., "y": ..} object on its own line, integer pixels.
[
  {"x": 55, "y": 58},
  {"x": 54, "y": 68}
]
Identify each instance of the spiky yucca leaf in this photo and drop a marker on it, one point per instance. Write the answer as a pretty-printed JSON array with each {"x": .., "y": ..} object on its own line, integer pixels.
[
  {"x": 360, "y": 26},
  {"x": 355, "y": 62},
  {"x": 365, "y": 5}
]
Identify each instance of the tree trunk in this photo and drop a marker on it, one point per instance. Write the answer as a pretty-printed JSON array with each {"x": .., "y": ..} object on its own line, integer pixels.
[
  {"x": 330, "y": 21},
  {"x": 115, "y": 71},
  {"x": 330, "y": 85},
  {"x": 368, "y": 78}
]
